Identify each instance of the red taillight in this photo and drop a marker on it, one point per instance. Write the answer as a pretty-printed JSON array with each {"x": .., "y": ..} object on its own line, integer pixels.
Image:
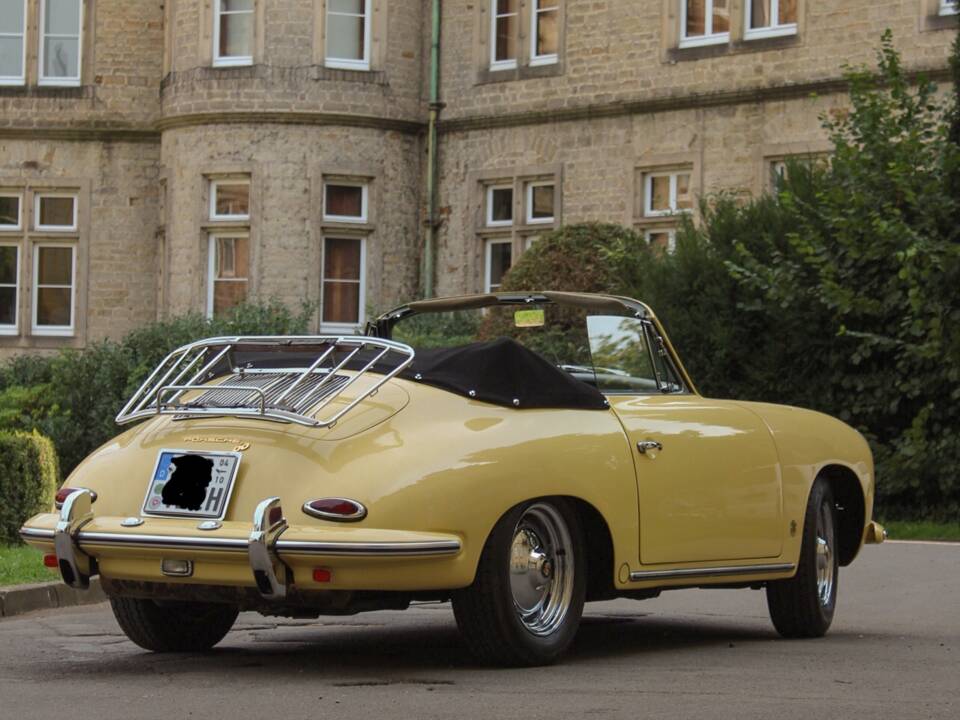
[
  {"x": 335, "y": 509},
  {"x": 50, "y": 561},
  {"x": 275, "y": 516},
  {"x": 64, "y": 492},
  {"x": 322, "y": 575}
]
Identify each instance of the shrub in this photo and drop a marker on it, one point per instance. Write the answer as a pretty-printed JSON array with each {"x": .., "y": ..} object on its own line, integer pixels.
[{"x": 29, "y": 480}]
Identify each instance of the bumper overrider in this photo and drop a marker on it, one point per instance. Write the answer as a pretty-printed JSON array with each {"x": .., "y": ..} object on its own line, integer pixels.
[{"x": 77, "y": 544}]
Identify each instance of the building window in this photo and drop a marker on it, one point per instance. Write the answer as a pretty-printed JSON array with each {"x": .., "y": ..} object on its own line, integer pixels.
[
  {"x": 229, "y": 274},
  {"x": 544, "y": 31},
  {"x": 9, "y": 288},
  {"x": 504, "y": 26},
  {"x": 60, "y": 41},
  {"x": 664, "y": 240},
  {"x": 55, "y": 212},
  {"x": 13, "y": 46},
  {"x": 949, "y": 7},
  {"x": 345, "y": 202},
  {"x": 11, "y": 212},
  {"x": 232, "y": 32},
  {"x": 770, "y": 18},
  {"x": 666, "y": 193},
  {"x": 53, "y": 281},
  {"x": 704, "y": 22},
  {"x": 778, "y": 173},
  {"x": 230, "y": 199},
  {"x": 344, "y": 280},
  {"x": 499, "y": 205},
  {"x": 348, "y": 34},
  {"x": 499, "y": 258},
  {"x": 540, "y": 202}
]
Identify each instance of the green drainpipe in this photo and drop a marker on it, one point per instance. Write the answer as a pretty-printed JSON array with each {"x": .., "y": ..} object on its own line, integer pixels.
[{"x": 430, "y": 246}]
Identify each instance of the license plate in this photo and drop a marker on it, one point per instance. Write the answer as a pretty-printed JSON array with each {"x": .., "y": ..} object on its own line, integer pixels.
[{"x": 191, "y": 484}]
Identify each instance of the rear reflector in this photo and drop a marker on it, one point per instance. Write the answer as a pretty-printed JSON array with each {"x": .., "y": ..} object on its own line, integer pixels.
[
  {"x": 64, "y": 492},
  {"x": 322, "y": 575},
  {"x": 335, "y": 509},
  {"x": 50, "y": 561}
]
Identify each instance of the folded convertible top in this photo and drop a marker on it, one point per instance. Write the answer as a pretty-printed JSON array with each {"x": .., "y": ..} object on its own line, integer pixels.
[{"x": 503, "y": 372}]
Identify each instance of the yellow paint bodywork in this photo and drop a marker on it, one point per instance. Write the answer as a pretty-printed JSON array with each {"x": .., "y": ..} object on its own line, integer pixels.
[{"x": 729, "y": 487}]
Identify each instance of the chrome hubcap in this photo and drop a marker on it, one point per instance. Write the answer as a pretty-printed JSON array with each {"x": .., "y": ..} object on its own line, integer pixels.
[
  {"x": 825, "y": 559},
  {"x": 541, "y": 569}
]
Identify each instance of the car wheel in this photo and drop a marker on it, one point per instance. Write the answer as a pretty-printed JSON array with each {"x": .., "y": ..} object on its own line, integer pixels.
[
  {"x": 803, "y": 606},
  {"x": 525, "y": 604},
  {"x": 173, "y": 626}
]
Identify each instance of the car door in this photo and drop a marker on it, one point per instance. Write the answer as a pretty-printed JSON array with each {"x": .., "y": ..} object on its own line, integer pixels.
[{"x": 708, "y": 474}]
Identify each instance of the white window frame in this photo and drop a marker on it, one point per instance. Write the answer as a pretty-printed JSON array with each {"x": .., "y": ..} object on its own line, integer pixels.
[
  {"x": 54, "y": 330},
  {"x": 495, "y": 64},
  {"x": 530, "y": 220},
  {"x": 489, "y": 210},
  {"x": 349, "y": 63},
  {"x": 212, "y": 263},
  {"x": 13, "y": 329},
  {"x": 19, "y": 225},
  {"x": 20, "y": 79},
  {"x": 774, "y": 29},
  {"x": 214, "y": 185},
  {"x": 38, "y": 198},
  {"x": 948, "y": 7},
  {"x": 536, "y": 10},
  {"x": 231, "y": 60},
  {"x": 364, "y": 200},
  {"x": 671, "y": 236},
  {"x": 60, "y": 81},
  {"x": 334, "y": 327},
  {"x": 648, "y": 177},
  {"x": 709, "y": 37},
  {"x": 488, "y": 260}
]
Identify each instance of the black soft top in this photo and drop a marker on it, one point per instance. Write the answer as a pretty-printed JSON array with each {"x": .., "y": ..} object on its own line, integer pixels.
[{"x": 503, "y": 372}]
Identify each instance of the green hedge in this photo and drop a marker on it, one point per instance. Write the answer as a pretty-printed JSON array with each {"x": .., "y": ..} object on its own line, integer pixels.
[{"x": 28, "y": 482}]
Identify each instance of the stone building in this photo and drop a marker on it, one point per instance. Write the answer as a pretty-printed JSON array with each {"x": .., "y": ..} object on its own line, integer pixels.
[{"x": 159, "y": 156}]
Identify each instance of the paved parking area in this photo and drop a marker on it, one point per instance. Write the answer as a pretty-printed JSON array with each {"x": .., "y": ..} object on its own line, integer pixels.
[{"x": 893, "y": 652}]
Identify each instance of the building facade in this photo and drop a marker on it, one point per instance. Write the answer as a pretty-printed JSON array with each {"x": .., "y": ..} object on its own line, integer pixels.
[{"x": 158, "y": 157}]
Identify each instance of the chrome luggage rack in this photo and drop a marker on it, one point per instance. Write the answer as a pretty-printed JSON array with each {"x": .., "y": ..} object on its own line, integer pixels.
[{"x": 283, "y": 394}]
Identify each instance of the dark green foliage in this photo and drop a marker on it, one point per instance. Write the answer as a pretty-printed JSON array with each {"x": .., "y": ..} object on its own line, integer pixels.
[
  {"x": 28, "y": 482},
  {"x": 73, "y": 396}
]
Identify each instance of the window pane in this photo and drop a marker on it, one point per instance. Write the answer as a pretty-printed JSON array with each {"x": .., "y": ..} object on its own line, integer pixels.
[
  {"x": 542, "y": 202},
  {"x": 501, "y": 209},
  {"x": 53, "y": 306},
  {"x": 788, "y": 12},
  {"x": 341, "y": 302},
  {"x": 506, "y": 48},
  {"x": 62, "y": 17},
  {"x": 233, "y": 257},
  {"x": 659, "y": 240},
  {"x": 696, "y": 17},
  {"x": 618, "y": 346},
  {"x": 11, "y": 16},
  {"x": 233, "y": 199},
  {"x": 55, "y": 266},
  {"x": 60, "y": 57},
  {"x": 236, "y": 35},
  {"x": 8, "y": 265},
  {"x": 236, "y": 5},
  {"x": 684, "y": 200},
  {"x": 721, "y": 16},
  {"x": 56, "y": 211},
  {"x": 660, "y": 193},
  {"x": 11, "y": 56},
  {"x": 547, "y": 33},
  {"x": 505, "y": 7},
  {"x": 344, "y": 201},
  {"x": 341, "y": 259},
  {"x": 759, "y": 13},
  {"x": 345, "y": 37},
  {"x": 500, "y": 259},
  {"x": 9, "y": 210},
  {"x": 8, "y": 305},
  {"x": 228, "y": 294}
]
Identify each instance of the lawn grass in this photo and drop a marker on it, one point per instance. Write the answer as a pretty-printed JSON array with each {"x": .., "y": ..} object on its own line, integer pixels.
[
  {"x": 921, "y": 530},
  {"x": 22, "y": 564}
]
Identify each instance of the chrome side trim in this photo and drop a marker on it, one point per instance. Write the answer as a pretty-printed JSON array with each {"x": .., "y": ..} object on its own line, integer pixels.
[
  {"x": 165, "y": 542},
  {"x": 641, "y": 575},
  {"x": 373, "y": 549},
  {"x": 35, "y": 534}
]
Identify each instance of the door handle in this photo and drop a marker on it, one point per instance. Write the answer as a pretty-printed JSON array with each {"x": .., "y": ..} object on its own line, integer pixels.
[{"x": 645, "y": 445}]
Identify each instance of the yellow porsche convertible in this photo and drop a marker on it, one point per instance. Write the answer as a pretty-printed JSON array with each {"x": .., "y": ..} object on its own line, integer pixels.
[{"x": 518, "y": 454}]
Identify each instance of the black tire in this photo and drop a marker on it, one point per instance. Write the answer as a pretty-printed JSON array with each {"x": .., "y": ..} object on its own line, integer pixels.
[
  {"x": 489, "y": 618},
  {"x": 173, "y": 626},
  {"x": 803, "y": 606}
]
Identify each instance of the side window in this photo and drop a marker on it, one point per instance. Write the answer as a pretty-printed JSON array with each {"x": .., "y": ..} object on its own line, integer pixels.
[{"x": 622, "y": 360}]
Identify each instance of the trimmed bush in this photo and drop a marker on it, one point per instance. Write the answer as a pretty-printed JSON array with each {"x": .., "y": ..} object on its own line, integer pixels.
[{"x": 29, "y": 480}]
